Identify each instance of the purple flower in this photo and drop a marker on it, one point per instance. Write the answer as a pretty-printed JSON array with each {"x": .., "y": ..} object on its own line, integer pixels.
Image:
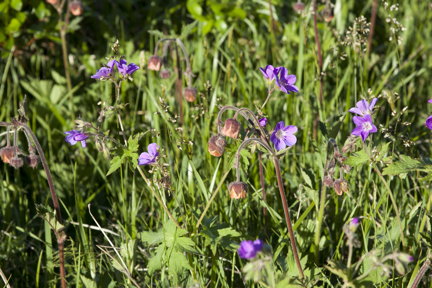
[
  {"x": 150, "y": 157},
  {"x": 364, "y": 126},
  {"x": 107, "y": 71},
  {"x": 363, "y": 107},
  {"x": 263, "y": 122},
  {"x": 430, "y": 101},
  {"x": 125, "y": 69},
  {"x": 75, "y": 136},
  {"x": 248, "y": 248},
  {"x": 269, "y": 72},
  {"x": 428, "y": 122},
  {"x": 285, "y": 81},
  {"x": 282, "y": 136}
]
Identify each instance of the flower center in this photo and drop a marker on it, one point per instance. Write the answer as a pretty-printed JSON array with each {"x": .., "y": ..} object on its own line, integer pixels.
[
  {"x": 279, "y": 134},
  {"x": 367, "y": 126}
]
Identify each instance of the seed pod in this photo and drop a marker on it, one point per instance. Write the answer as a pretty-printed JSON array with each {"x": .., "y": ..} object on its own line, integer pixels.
[
  {"x": 340, "y": 186},
  {"x": 216, "y": 145},
  {"x": 190, "y": 94},
  {"x": 165, "y": 73},
  {"x": 16, "y": 162},
  {"x": 154, "y": 63},
  {"x": 231, "y": 128},
  {"x": 237, "y": 190},
  {"x": 7, "y": 153},
  {"x": 76, "y": 7}
]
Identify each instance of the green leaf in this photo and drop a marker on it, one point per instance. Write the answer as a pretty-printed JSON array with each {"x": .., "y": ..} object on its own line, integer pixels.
[
  {"x": 404, "y": 165},
  {"x": 152, "y": 238},
  {"x": 194, "y": 9},
  {"x": 177, "y": 263},
  {"x": 357, "y": 159},
  {"x": 155, "y": 262},
  {"x": 224, "y": 232},
  {"x": 133, "y": 143},
  {"x": 115, "y": 164},
  {"x": 16, "y": 4},
  {"x": 13, "y": 26}
]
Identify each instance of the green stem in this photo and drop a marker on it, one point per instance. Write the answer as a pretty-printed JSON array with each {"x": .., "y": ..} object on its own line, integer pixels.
[
  {"x": 320, "y": 219},
  {"x": 158, "y": 198}
]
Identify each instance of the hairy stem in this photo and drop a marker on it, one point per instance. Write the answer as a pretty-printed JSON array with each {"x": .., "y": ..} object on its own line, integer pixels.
[
  {"x": 372, "y": 24},
  {"x": 262, "y": 183},
  {"x": 287, "y": 215},
  {"x": 320, "y": 219},
  {"x": 60, "y": 234},
  {"x": 421, "y": 273}
]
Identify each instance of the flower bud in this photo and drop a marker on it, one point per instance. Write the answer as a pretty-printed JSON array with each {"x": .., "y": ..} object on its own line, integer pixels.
[
  {"x": 328, "y": 14},
  {"x": 340, "y": 186},
  {"x": 298, "y": 6},
  {"x": 231, "y": 128},
  {"x": 405, "y": 258},
  {"x": 237, "y": 190},
  {"x": 16, "y": 162},
  {"x": 76, "y": 8},
  {"x": 32, "y": 160},
  {"x": 216, "y": 145},
  {"x": 190, "y": 94},
  {"x": 7, "y": 153},
  {"x": 52, "y": 2},
  {"x": 165, "y": 73},
  {"x": 328, "y": 181},
  {"x": 154, "y": 63},
  {"x": 354, "y": 223}
]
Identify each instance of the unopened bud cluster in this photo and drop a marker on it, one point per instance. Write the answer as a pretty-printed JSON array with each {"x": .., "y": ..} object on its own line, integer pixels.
[{"x": 340, "y": 185}]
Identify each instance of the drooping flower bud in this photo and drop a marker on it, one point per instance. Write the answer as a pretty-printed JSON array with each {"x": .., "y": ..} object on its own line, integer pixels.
[
  {"x": 190, "y": 94},
  {"x": 165, "y": 73},
  {"x": 32, "y": 160},
  {"x": 328, "y": 14},
  {"x": 155, "y": 63},
  {"x": 328, "y": 181},
  {"x": 298, "y": 6},
  {"x": 405, "y": 258},
  {"x": 52, "y": 2},
  {"x": 354, "y": 223},
  {"x": 76, "y": 7},
  {"x": 231, "y": 128},
  {"x": 216, "y": 145},
  {"x": 16, "y": 162},
  {"x": 237, "y": 190},
  {"x": 340, "y": 186},
  {"x": 7, "y": 153}
]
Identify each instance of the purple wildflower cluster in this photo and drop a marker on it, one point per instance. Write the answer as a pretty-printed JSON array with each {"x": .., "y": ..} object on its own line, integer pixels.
[
  {"x": 109, "y": 70},
  {"x": 284, "y": 81},
  {"x": 363, "y": 122},
  {"x": 249, "y": 249},
  {"x": 74, "y": 136},
  {"x": 428, "y": 122},
  {"x": 283, "y": 136}
]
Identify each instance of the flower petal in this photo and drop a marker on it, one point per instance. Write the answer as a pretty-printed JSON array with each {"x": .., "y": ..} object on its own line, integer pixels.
[{"x": 152, "y": 149}]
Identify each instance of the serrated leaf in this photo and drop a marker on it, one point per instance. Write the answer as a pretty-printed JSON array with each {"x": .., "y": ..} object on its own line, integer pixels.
[
  {"x": 155, "y": 262},
  {"x": 115, "y": 164},
  {"x": 228, "y": 232},
  {"x": 404, "y": 165},
  {"x": 185, "y": 244},
  {"x": 357, "y": 159},
  {"x": 133, "y": 143},
  {"x": 152, "y": 238}
]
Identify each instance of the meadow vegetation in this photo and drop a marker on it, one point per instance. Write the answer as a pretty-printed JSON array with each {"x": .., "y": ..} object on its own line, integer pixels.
[{"x": 143, "y": 146}]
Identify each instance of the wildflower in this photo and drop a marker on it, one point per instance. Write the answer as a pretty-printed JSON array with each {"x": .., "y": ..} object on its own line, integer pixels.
[
  {"x": 430, "y": 101},
  {"x": 125, "y": 69},
  {"x": 154, "y": 63},
  {"x": 269, "y": 72},
  {"x": 75, "y": 136},
  {"x": 16, "y": 162},
  {"x": 405, "y": 258},
  {"x": 231, "y": 128},
  {"x": 76, "y": 8},
  {"x": 364, "y": 126},
  {"x": 285, "y": 81},
  {"x": 298, "y": 6},
  {"x": 107, "y": 71},
  {"x": 340, "y": 186},
  {"x": 190, "y": 94},
  {"x": 282, "y": 136},
  {"x": 363, "y": 107},
  {"x": 248, "y": 249},
  {"x": 428, "y": 122},
  {"x": 32, "y": 160},
  {"x": 263, "y": 122},
  {"x": 237, "y": 190},
  {"x": 150, "y": 157},
  {"x": 165, "y": 73},
  {"x": 7, "y": 153},
  {"x": 216, "y": 145}
]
